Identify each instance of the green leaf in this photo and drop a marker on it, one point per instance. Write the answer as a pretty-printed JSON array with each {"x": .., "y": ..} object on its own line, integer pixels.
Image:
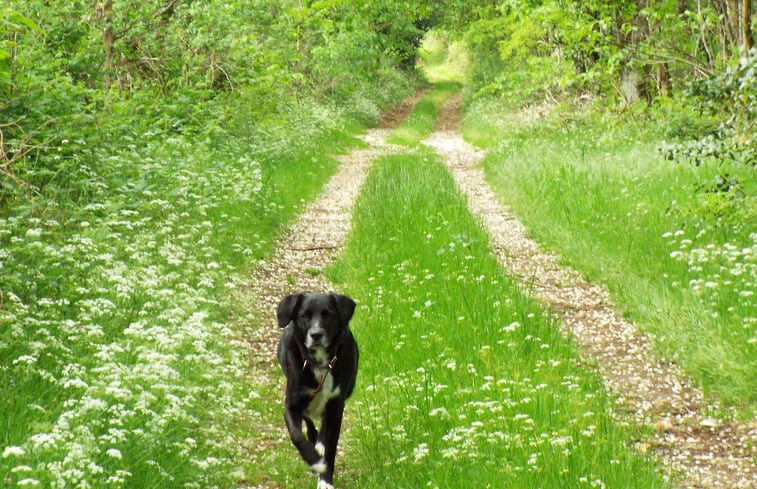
[{"x": 16, "y": 17}]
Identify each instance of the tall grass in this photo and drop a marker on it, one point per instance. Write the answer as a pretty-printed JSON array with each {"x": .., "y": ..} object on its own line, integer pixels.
[
  {"x": 678, "y": 254},
  {"x": 464, "y": 382}
]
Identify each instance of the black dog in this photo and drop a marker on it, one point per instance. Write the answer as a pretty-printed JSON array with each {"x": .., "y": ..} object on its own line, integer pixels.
[{"x": 319, "y": 357}]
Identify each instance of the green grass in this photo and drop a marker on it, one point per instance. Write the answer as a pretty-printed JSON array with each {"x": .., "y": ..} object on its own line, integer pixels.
[
  {"x": 421, "y": 122},
  {"x": 464, "y": 382},
  {"x": 122, "y": 362},
  {"x": 681, "y": 262}
]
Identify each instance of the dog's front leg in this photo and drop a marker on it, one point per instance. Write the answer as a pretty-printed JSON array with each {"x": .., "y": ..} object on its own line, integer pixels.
[
  {"x": 306, "y": 448},
  {"x": 328, "y": 438}
]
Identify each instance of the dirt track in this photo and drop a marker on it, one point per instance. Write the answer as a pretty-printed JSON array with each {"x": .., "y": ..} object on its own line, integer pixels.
[
  {"x": 706, "y": 452},
  {"x": 703, "y": 452}
]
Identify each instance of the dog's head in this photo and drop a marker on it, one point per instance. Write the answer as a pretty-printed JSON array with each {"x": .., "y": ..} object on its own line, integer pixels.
[{"x": 318, "y": 319}]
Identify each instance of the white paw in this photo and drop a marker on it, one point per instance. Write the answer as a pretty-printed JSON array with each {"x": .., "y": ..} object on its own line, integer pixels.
[
  {"x": 320, "y": 449},
  {"x": 324, "y": 485},
  {"x": 319, "y": 467}
]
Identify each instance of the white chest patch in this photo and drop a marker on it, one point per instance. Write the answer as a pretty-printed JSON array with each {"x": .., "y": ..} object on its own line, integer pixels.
[
  {"x": 321, "y": 357},
  {"x": 327, "y": 392}
]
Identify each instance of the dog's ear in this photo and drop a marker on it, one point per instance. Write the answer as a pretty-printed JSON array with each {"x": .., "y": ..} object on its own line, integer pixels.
[
  {"x": 345, "y": 306},
  {"x": 287, "y": 308}
]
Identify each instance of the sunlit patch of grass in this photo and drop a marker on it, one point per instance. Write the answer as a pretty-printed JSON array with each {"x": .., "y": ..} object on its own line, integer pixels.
[
  {"x": 442, "y": 59},
  {"x": 678, "y": 255},
  {"x": 463, "y": 382}
]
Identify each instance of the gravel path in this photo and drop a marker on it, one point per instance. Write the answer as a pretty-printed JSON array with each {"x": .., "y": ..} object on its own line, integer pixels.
[
  {"x": 703, "y": 451},
  {"x": 297, "y": 264}
]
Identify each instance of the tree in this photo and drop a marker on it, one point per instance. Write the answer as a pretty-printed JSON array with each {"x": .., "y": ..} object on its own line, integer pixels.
[{"x": 746, "y": 24}]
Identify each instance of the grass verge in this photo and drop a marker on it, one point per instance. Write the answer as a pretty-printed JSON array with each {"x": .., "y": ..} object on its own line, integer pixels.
[
  {"x": 678, "y": 254},
  {"x": 464, "y": 381},
  {"x": 119, "y": 367}
]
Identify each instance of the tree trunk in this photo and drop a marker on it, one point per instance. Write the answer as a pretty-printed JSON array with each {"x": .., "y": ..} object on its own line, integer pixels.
[
  {"x": 747, "y": 41},
  {"x": 704, "y": 39},
  {"x": 733, "y": 16},
  {"x": 663, "y": 79},
  {"x": 105, "y": 12}
]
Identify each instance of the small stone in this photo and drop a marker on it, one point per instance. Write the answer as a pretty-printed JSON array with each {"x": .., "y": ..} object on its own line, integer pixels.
[{"x": 710, "y": 422}]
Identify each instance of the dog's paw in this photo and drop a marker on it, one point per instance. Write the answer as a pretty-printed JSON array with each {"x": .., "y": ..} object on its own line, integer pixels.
[
  {"x": 319, "y": 467},
  {"x": 322, "y": 484},
  {"x": 320, "y": 449}
]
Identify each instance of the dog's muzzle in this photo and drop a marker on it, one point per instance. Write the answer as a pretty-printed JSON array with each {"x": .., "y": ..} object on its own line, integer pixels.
[{"x": 316, "y": 337}]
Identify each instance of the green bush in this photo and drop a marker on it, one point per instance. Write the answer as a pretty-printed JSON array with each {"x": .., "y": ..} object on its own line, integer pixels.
[{"x": 723, "y": 118}]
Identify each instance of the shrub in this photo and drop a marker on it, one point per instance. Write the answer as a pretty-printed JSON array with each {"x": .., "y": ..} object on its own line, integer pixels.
[{"x": 724, "y": 118}]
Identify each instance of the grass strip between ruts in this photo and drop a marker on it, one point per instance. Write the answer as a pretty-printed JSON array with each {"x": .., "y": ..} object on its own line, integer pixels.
[{"x": 463, "y": 380}]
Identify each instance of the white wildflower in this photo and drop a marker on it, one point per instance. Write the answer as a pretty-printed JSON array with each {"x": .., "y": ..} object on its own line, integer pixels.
[
  {"x": 511, "y": 327},
  {"x": 420, "y": 452},
  {"x": 560, "y": 441},
  {"x": 114, "y": 453},
  {"x": 450, "y": 452},
  {"x": 13, "y": 451},
  {"x": 440, "y": 411}
]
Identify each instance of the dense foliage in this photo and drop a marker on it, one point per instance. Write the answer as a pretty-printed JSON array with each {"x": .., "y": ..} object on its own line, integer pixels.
[
  {"x": 72, "y": 72},
  {"x": 726, "y": 106},
  {"x": 699, "y": 54},
  {"x": 639, "y": 49}
]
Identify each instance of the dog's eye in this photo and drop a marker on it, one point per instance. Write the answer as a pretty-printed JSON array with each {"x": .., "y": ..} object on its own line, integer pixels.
[
  {"x": 325, "y": 313},
  {"x": 307, "y": 314}
]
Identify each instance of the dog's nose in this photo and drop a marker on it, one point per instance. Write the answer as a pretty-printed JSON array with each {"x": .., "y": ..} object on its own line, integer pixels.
[{"x": 316, "y": 336}]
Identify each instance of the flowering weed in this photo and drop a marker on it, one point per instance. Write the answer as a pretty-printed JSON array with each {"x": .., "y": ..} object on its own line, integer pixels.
[{"x": 118, "y": 367}]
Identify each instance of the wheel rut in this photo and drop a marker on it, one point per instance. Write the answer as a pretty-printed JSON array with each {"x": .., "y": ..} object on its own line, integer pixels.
[{"x": 306, "y": 249}]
